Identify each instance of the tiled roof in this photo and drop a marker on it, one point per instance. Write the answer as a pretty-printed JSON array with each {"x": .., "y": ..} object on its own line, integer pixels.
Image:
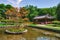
[{"x": 44, "y": 16}]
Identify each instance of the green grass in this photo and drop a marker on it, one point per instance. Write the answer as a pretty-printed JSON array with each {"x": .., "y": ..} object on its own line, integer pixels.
[
  {"x": 5, "y": 25},
  {"x": 16, "y": 30},
  {"x": 53, "y": 26},
  {"x": 48, "y": 26},
  {"x": 32, "y": 24}
]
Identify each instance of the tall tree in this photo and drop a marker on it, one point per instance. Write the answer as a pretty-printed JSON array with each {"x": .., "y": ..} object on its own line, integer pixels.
[
  {"x": 2, "y": 10},
  {"x": 2, "y": 6},
  {"x": 32, "y": 12},
  {"x": 8, "y": 6},
  {"x": 23, "y": 11},
  {"x": 11, "y": 13},
  {"x": 58, "y": 11}
]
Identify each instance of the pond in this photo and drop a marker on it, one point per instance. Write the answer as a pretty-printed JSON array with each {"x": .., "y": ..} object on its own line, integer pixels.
[{"x": 32, "y": 34}]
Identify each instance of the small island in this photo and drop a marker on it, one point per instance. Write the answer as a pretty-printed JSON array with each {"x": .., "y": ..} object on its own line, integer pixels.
[{"x": 14, "y": 31}]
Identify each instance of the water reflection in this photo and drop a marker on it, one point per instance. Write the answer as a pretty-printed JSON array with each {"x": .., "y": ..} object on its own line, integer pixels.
[
  {"x": 46, "y": 38},
  {"x": 32, "y": 34}
]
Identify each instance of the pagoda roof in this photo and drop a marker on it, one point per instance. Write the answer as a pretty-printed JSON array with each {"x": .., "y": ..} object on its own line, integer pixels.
[{"x": 44, "y": 16}]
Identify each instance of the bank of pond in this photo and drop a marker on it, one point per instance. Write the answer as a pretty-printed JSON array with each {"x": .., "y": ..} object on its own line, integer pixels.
[
  {"x": 49, "y": 27},
  {"x": 31, "y": 34},
  {"x": 35, "y": 29}
]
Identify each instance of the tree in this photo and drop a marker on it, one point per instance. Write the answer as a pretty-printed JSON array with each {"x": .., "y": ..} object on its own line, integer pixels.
[
  {"x": 32, "y": 12},
  {"x": 58, "y": 12},
  {"x": 2, "y": 6},
  {"x": 43, "y": 11},
  {"x": 23, "y": 12},
  {"x": 52, "y": 11},
  {"x": 8, "y": 6},
  {"x": 2, "y": 10},
  {"x": 2, "y": 13},
  {"x": 11, "y": 13}
]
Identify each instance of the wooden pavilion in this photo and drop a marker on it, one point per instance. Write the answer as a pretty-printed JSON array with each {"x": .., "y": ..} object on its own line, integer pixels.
[{"x": 45, "y": 19}]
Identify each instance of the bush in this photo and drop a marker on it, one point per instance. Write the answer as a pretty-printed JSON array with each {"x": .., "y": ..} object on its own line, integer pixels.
[
  {"x": 8, "y": 22},
  {"x": 56, "y": 22}
]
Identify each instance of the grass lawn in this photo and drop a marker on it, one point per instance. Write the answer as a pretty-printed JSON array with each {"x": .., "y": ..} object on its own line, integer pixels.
[
  {"x": 53, "y": 26},
  {"x": 16, "y": 29},
  {"x": 48, "y": 26},
  {"x": 5, "y": 25}
]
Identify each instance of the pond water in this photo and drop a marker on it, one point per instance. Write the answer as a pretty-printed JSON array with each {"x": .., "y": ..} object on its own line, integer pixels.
[{"x": 32, "y": 34}]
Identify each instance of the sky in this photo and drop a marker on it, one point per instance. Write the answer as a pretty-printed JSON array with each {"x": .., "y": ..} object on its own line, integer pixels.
[{"x": 38, "y": 3}]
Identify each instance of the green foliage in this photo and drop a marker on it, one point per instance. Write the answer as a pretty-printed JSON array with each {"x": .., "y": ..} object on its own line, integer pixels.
[
  {"x": 8, "y": 6},
  {"x": 3, "y": 9},
  {"x": 58, "y": 11},
  {"x": 56, "y": 22},
  {"x": 43, "y": 11},
  {"x": 34, "y": 11},
  {"x": 2, "y": 6},
  {"x": 16, "y": 30}
]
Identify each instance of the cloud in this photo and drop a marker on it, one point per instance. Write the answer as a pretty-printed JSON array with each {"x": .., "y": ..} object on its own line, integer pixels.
[
  {"x": 19, "y": 1},
  {"x": 14, "y": 1},
  {"x": 11, "y": 1}
]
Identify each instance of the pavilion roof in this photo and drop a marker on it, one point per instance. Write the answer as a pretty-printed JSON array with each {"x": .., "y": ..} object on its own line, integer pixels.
[{"x": 44, "y": 16}]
